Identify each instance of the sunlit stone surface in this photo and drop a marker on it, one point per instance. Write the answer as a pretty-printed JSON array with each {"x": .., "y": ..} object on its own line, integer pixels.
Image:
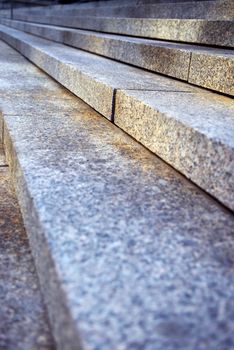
[{"x": 130, "y": 254}]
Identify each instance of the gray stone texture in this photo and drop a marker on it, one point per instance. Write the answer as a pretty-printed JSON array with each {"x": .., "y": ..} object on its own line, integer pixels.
[
  {"x": 193, "y": 9},
  {"x": 166, "y": 58},
  {"x": 213, "y": 71},
  {"x": 2, "y": 157},
  {"x": 196, "y": 9},
  {"x": 130, "y": 254},
  {"x": 208, "y": 67},
  {"x": 192, "y": 132},
  {"x": 23, "y": 319},
  {"x": 96, "y": 80},
  {"x": 198, "y": 31},
  {"x": 93, "y": 78}
]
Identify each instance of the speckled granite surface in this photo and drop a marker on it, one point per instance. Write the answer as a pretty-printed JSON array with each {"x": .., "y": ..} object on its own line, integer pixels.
[
  {"x": 168, "y": 59},
  {"x": 2, "y": 157},
  {"x": 209, "y": 67},
  {"x": 133, "y": 248},
  {"x": 199, "y": 31},
  {"x": 223, "y": 9},
  {"x": 213, "y": 71},
  {"x": 23, "y": 320},
  {"x": 193, "y": 133},
  {"x": 130, "y": 254},
  {"x": 96, "y": 79},
  {"x": 91, "y": 77}
]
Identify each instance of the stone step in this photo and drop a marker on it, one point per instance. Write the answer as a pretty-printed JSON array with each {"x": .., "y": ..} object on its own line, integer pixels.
[
  {"x": 197, "y": 31},
  {"x": 196, "y": 9},
  {"x": 122, "y": 241},
  {"x": 207, "y": 67},
  {"x": 23, "y": 318},
  {"x": 205, "y": 154}
]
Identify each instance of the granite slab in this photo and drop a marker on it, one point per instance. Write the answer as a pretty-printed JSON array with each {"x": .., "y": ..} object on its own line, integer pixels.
[
  {"x": 218, "y": 184},
  {"x": 23, "y": 319},
  {"x": 193, "y": 133},
  {"x": 166, "y": 58},
  {"x": 215, "y": 71},
  {"x": 198, "y": 31},
  {"x": 92, "y": 78},
  {"x": 122, "y": 241},
  {"x": 207, "y": 67}
]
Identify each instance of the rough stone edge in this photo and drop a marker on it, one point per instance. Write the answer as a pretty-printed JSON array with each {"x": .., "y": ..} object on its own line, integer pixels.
[
  {"x": 85, "y": 80},
  {"x": 65, "y": 334},
  {"x": 60, "y": 37}
]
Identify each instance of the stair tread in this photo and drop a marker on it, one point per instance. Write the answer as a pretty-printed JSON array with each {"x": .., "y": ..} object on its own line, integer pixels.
[
  {"x": 204, "y": 66},
  {"x": 132, "y": 245}
]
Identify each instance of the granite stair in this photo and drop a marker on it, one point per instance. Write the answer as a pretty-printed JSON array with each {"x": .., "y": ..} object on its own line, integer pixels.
[
  {"x": 117, "y": 125},
  {"x": 194, "y": 136},
  {"x": 203, "y": 66},
  {"x": 206, "y": 31},
  {"x": 215, "y": 9},
  {"x": 130, "y": 254}
]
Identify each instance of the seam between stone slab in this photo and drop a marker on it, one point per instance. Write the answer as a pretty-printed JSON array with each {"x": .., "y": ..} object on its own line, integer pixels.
[
  {"x": 88, "y": 75},
  {"x": 113, "y": 105},
  {"x": 114, "y": 96},
  {"x": 120, "y": 89}
]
